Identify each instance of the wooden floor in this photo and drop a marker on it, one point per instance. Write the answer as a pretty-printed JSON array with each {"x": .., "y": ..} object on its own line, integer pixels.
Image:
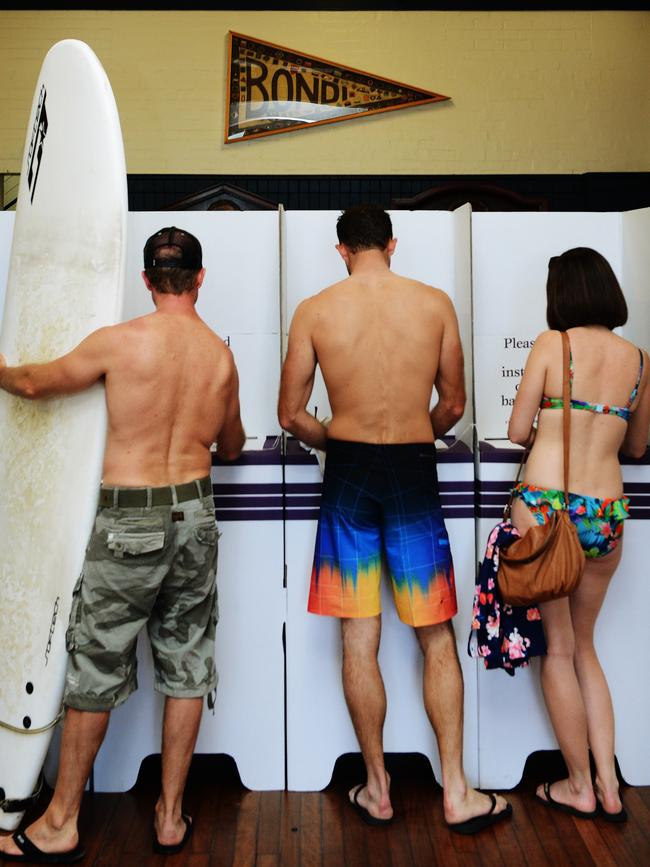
[{"x": 234, "y": 826}]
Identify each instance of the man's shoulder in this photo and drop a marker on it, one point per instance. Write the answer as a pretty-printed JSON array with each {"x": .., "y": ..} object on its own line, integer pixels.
[
  {"x": 321, "y": 299},
  {"x": 130, "y": 326},
  {"x": 429, "y": 295},
  {"x": 328, "y": 292}
]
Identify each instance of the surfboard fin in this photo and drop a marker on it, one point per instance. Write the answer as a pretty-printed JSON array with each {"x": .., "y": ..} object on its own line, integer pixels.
[{"x": 19, "y": 805}]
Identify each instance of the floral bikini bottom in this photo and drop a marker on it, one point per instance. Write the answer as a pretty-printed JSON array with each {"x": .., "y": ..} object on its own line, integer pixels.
[{"x": 599, "y": 522}]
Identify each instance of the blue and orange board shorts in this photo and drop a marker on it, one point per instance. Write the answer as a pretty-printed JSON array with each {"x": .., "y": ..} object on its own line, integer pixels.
[{"x": 380, "y": 505}]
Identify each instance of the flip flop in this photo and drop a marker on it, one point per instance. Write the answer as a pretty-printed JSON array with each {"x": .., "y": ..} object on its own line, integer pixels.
[
  {"x": 548, "y": 801},
  {"x": 31, "y": 854},
  {"x": 367, "y": 817},
  {"x": 621, "y": 816},
  {"x": 173, "y": 848},
  {"x": 485, "y": 820}
]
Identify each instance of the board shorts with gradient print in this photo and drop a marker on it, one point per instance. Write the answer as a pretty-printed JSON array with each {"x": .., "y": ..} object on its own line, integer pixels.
[{"x": 380, "y": 505}]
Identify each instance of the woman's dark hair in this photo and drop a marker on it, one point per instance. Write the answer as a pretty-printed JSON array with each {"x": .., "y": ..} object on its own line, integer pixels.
[
  {"x": 364, "y": 227},
  {"x": 582, "y": 289}
]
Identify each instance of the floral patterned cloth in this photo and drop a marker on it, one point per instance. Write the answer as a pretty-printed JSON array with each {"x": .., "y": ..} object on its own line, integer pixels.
[
  {"x": 503, "y": 635},
  {"x": 599, "y": 523}
]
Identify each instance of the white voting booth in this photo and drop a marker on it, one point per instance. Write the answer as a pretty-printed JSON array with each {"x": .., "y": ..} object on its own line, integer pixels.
[
  {"x": 259, "y": 266},
  {"x": 510, "y": 254},
  {"x": 239, "y": 300},
  {"x": 432, "y": 247}
]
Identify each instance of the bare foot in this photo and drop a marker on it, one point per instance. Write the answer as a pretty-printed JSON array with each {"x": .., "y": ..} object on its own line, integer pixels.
[
  {"x": 371, "y": 799},
  {"x": 608, "y": 797},
  {"x": 564, "y": 793},
  {"x": 44, "y": 837},
  {"x": 169, "y": 832},
  {"x": 460, "y": 808}
]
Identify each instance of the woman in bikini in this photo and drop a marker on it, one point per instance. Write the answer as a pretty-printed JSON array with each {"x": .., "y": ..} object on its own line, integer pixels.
[{"x": 610, "y": 403}]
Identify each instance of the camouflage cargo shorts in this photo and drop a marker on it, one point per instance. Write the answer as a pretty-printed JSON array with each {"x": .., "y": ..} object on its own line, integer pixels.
[{"x": 153, "y": 566}]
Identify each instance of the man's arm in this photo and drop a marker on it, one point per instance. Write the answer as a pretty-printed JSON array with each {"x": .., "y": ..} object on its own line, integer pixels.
[
  {"x": 231, "y": 437},
  {"x": 68, "y": 374},
  {"x": 450, "y": 380},
  {"x": 297, "y": 382}
]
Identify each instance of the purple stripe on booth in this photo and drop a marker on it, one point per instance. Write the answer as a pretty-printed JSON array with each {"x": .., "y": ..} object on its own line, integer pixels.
[
  {"x": 270, "y": 453},
  {"x": 301, "y": 514},
  {"x": 262, "y": 457},
  {"x": 631, "y": 488},
  {"x": 249, "y": 514},
  {"x": 456, "y": 486},
  {"x": 638, "y": 501},
  {"x": 446, "y": 500},
  {"x": 247, "y": 502},
  {"x": 246, "y": 488},
  {"x": 498, "y": 454},
  {"x": 640, "y": 514},
  {"x": 636, "y": 488},
  {"x": 293, "y": 501},
  {"x": 455, "y": 453},
  {"x": 637, "y": 514},
  {"x": 303, "y": 487}
]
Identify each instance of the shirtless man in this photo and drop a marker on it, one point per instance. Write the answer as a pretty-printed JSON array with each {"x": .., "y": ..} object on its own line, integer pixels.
[
  {"x": 171, "y": 391},
  {"x": 383, "y": 342}
]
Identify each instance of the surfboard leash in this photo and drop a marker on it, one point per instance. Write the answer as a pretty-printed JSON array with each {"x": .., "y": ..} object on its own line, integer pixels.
[{"x": 30, "y": 731}]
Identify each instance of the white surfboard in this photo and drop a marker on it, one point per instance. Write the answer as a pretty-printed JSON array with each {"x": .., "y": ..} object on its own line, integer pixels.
[{"x": 66, "y": 278}]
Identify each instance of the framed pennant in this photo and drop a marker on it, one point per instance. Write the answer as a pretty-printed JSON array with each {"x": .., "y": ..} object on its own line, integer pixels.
[{"x": 273, "y": 89}]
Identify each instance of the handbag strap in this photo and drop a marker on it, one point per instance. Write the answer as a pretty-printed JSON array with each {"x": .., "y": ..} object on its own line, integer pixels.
[
  {"x": 566, "y": 412},
  {"x": 566, "y": 428},
  {"x": 508, "y": 507}
]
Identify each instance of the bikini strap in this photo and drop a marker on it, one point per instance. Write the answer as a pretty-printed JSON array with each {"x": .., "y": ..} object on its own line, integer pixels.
[{"x": 635, "y": 390}]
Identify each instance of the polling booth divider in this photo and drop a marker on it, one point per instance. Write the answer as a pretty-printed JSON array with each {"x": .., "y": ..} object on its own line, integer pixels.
[
  {"x": 239, "y": 300},
  {"x": 432, "y": 247},
  {"x": 635, "y": 272},
  {"x": 510, "y": 254},
  {"x": 260, "y": 265}
]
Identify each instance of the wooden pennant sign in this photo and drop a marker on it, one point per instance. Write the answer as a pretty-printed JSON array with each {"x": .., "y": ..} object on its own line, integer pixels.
[{"x": 272, "y": 89}]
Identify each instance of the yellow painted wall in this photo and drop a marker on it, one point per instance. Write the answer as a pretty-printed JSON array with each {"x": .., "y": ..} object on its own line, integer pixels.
[{"x": 533, "y": 92}]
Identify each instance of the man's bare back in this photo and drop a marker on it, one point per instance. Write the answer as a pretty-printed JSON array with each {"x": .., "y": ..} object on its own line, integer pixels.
[
  {"x": 378, "y": 339},
  {"x": 382, "y": 342},
  {"x": 171, "y": 390},
  {"x": 170, "y": 382}
]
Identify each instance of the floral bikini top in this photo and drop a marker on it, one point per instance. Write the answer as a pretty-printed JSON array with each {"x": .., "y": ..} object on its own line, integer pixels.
[{"x": 623, "y": 412}]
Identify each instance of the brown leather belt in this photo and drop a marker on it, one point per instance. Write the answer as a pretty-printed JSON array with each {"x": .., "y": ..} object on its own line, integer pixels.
[{"x": 147, "y": 497}]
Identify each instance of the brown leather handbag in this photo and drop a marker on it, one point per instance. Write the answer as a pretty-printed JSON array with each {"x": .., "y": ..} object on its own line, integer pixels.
[{"x": 548, "y": 562}]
